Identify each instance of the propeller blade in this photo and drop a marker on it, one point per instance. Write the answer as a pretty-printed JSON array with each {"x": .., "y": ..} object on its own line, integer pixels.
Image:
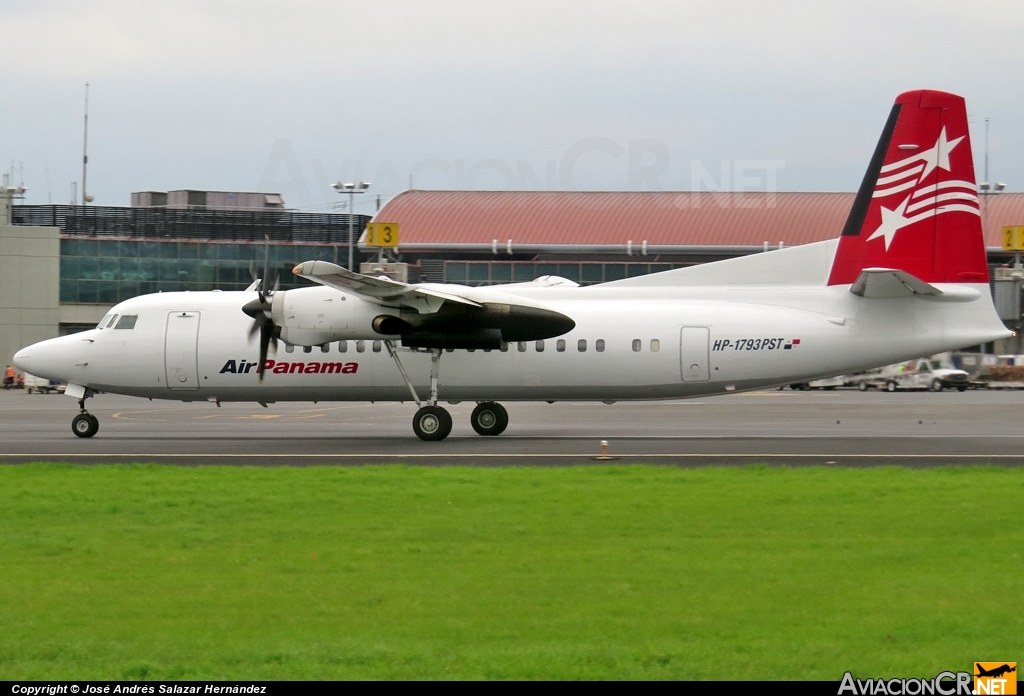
[
  {"x": 266, "y": 261},
  {"x": 266, "y": 334},
  {"x": 260, "y": 309},
  {"x": 256, "y": 325}
]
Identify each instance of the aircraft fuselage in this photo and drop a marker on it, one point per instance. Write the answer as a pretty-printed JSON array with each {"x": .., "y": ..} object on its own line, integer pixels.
[{"x": 625, "y": 345}]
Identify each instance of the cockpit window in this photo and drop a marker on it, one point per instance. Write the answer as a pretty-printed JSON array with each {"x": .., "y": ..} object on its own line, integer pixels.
[
  {"x": 113, "y": 319},
  {"x": 104, "y": 320},
  {"x": 127, "y": 321}
]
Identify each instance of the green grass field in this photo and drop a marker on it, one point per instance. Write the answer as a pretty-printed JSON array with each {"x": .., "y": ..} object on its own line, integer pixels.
[{"x": 162, "y": 572}]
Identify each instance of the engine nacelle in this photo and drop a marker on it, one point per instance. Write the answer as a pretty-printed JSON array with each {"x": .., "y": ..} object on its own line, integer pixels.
[{"x": 314, "y": 316}]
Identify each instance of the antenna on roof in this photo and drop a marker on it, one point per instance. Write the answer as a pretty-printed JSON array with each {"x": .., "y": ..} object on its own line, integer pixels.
[
  {"x": 85, "y": 148},
  {"x": 46, "y": 168}
]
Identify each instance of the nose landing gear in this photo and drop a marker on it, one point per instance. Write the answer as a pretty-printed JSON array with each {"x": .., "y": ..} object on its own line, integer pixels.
[{"x": 84, "y": 424}]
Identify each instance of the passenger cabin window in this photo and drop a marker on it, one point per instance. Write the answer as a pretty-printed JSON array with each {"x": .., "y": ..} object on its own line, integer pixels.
[
  {"x": 127, "y": 321},
  {"x": 637, "y": 343},
  {"x": 289, "y": 348},
  {"x": 360, "y": 346},
  {"x": 342, "y": 346},
  {"x": 325, "y": 348},
  {"x": 307, "y": 349},
  {"x": 581, "y": 345},
  {"x": 522, "y": 346},
  {"x": 540, "y": 346},
  {"x": 560, "y": 345},
  {"x": 504, "y": 347},
  {"x": 599, "y": 345},
  {"x": 376, "y": 346},
  {"x": 655, "y": 345}
]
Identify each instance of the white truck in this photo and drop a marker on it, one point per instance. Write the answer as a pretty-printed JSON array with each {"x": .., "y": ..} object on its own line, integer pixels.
[
  {"x": 923, "y": 373},
  {"x": 41, "y": 385}
]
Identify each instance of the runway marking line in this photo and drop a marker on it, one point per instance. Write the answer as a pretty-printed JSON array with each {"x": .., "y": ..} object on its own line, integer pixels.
[{"x": 494, "y": 455}]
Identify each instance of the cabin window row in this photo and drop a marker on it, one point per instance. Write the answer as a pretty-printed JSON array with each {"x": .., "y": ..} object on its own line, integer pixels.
[
  {"x": 360, "y": 347},
  {"x": 561, "y": 345}
]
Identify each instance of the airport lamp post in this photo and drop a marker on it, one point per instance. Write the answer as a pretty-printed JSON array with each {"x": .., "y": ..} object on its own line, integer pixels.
[
  {"x": 986, "y": 189},
  {"x": 352, "y": 188}
]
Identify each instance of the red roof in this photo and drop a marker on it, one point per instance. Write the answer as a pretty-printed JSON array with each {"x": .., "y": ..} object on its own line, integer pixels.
[{"x": 614, "y": 217}]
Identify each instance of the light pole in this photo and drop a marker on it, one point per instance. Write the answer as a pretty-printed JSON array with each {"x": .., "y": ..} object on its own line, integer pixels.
[
  {"x": 986, "y": 189},
  {"x": 352, "y": 188}
]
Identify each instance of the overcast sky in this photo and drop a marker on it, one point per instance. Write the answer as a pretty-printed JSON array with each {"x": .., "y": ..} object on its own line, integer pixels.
[{"x": 290, "y": 96}]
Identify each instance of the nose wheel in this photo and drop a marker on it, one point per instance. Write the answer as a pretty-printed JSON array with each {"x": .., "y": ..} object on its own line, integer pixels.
[
  {"x": 489, "y": 418},
  {"x": 84, "y": 424}
]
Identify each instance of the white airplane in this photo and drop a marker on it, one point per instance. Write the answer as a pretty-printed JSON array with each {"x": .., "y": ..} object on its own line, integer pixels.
[{"x": 908, "y": 277}]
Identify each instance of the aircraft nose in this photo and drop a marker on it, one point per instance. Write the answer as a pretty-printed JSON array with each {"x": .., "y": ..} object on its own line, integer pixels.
[{"x": 23, "y": 360}]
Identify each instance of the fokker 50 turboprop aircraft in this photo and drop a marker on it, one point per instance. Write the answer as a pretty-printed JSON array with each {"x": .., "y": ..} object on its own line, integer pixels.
[{"x": 908, "y": 277}]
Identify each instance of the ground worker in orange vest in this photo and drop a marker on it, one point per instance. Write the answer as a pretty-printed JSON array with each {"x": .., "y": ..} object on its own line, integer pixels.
[{"x": 9, "y": 377}]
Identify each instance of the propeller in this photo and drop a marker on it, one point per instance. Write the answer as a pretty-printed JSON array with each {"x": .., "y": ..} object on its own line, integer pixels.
[{"x": 261, "y": 308}]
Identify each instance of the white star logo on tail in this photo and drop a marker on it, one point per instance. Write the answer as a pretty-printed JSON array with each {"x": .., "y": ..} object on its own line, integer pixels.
[
  {"x": 892, "y": 222},
  {"x": 934, "y": 199},
  {"x": 938, "y": 156}
]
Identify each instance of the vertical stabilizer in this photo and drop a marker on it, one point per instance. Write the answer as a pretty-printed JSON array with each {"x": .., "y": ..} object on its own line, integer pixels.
[{"x": 917, "y": 208}]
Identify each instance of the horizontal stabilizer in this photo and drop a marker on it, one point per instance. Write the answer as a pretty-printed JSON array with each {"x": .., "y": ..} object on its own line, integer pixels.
[{"x": 890, "y": 283}]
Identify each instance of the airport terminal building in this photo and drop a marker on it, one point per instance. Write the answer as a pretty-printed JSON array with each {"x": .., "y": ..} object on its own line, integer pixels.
[{"x": 62, "y": 267}]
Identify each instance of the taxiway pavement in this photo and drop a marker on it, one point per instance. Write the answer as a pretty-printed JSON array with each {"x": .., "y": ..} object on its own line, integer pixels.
[{"x": 778, "y": 427}]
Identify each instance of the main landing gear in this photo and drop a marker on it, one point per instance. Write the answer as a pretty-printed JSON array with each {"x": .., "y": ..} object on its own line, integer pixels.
[
  {"x": 84, "y": 424},
  {"x": 433, "y": 422},
  {"x": 489, "y": 418}
]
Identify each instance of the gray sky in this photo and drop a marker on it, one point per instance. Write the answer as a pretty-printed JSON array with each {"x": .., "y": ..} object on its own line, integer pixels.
[{"x": 525, "y": 94}]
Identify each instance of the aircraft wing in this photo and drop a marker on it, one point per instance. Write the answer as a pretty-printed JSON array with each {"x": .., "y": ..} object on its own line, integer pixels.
[
  {"x": 425, "y": 300},
  {"x": 437, "y": 315}
]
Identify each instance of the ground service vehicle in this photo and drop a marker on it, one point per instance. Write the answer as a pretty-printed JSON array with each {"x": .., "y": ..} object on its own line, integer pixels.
[
  {"x": 922, "y": 374},
  {"x": 41, "y": 385}
]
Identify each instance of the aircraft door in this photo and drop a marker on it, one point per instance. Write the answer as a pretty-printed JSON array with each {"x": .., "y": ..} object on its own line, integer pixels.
[
  {"x": 693, "y": 353},
  {"x": 181, "y": 362}
]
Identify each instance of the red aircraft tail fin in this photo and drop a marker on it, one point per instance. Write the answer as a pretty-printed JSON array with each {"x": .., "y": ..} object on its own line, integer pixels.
[{"x": 917, "y": 208}]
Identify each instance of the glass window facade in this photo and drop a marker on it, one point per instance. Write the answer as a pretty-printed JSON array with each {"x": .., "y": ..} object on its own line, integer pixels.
[
  {"x": 584, "y": 273},
  {"x": 109, "y": 270}
]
